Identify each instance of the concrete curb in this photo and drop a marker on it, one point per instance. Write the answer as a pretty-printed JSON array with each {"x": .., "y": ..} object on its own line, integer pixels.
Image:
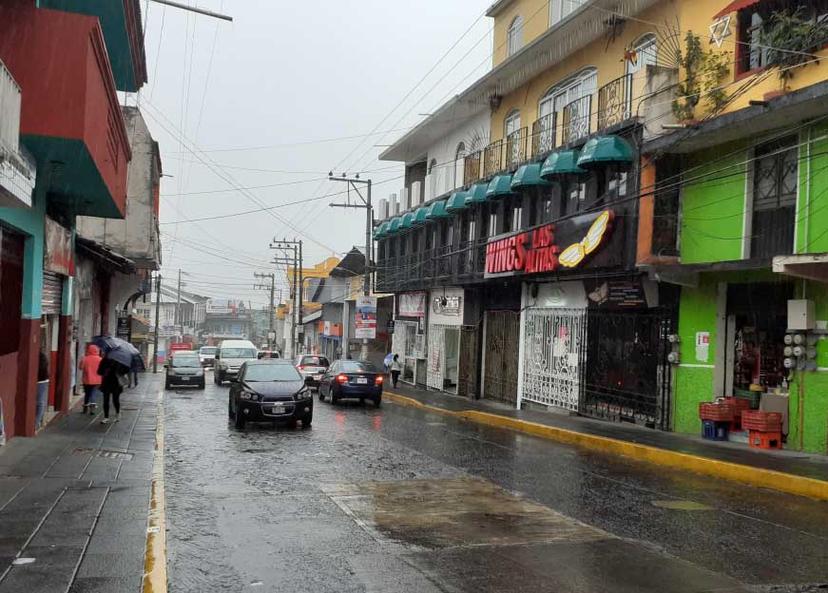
[
  {"x": 744, "y": 474},
  {"x": 155, "y": 555}
]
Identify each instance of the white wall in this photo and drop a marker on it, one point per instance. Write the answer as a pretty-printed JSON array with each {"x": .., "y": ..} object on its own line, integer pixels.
[{"x": 445, "y": 151}]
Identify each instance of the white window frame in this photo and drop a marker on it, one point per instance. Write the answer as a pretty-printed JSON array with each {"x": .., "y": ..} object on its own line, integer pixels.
[
  {"x": 581, "y": 84},
  {"x": 560, "y": 9},
  {"x": 514, "y": 36}
]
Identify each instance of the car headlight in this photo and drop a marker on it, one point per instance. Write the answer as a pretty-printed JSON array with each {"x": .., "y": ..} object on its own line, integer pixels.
[
  {"x": 200, "y": 373},
  {"x": 303, "y": 393}
]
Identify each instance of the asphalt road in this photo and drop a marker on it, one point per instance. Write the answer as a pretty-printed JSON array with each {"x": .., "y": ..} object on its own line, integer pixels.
[{"x": 399, "y": 500}]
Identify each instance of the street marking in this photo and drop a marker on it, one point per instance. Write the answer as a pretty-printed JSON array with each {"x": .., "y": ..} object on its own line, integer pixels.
[
  {"x": 155, "y": 556},
  {"x": 726, "y": 470},
  {"x": 681, "y": 505}
]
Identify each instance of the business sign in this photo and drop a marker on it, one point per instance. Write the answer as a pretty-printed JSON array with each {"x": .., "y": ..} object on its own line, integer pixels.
[
  {"x": 124, "y": 328},
  {"x": 58, "y": 253},
  {"x": 412, "y": 304},
  {"x": 222, "y": 306},
  {"x": 547, "y": 248},
  {"x": 449, "y": 305},
  {"x": 365, "y": 319}
]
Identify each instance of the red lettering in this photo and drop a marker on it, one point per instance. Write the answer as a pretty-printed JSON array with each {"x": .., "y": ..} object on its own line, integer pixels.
[{"x": 520, "y": 251}]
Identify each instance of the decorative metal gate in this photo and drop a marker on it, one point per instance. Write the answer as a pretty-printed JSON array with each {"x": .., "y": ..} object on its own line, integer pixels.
[
  {"x": 502, "y": 347},
  {"x": 554, "y": 341},
  {"x": 467, "y": 377},
  {"x": 628, "y": 376}
]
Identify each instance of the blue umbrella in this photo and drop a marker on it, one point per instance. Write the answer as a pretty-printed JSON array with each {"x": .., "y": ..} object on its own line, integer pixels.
[
  {"x": 388, "y": 359},
  {"x": 108, "y": 343}
]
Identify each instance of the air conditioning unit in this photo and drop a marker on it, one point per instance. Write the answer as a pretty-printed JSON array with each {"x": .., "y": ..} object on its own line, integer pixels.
[
  {"x": 416, "y": 194},
  {"x": 382, "y": 209},
  {"x": 393, "y": 205},
  {"x": 405, "y": 200}
]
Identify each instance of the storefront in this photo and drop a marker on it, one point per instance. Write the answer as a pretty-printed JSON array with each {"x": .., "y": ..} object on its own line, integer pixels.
[
  {"x": 409, "y": 341},
  {"x": 444, "y": 322},
  {"x": 11, "y": 291}
]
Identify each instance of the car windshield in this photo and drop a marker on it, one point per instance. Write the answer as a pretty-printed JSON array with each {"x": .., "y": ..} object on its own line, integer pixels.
[
  {"x": 271, "y": 372},
  {"x": 314, "y": 361},
  {"x": 186, "y": 360},
  {"x": 238, "y": 353},
  {"x": 208, "y": 350},
  {"x": 357, "y": 367}
]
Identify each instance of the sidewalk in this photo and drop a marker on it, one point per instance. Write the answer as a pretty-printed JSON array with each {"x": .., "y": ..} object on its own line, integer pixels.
[
  {"x": 788, "y": 471},
  {"x": 74, "y": 501}
]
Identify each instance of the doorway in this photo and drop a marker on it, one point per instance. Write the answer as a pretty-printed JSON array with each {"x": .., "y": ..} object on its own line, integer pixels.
[{"x": 500, "y": 376}]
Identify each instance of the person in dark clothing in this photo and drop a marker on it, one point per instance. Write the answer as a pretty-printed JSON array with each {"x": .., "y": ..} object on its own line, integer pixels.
[
  {"x": 113, "y": 377},
  {"x": 42, "y": 388}
]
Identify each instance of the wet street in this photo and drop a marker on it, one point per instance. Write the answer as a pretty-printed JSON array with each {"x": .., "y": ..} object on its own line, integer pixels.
[{"x": 400, "y": 500}]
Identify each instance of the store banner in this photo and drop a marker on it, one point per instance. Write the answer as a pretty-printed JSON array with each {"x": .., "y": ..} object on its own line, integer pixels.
[
  {"x": 412, "y": 304},
  {"x": 365, "y": 319},
  {"x": 58, "y": 256}
]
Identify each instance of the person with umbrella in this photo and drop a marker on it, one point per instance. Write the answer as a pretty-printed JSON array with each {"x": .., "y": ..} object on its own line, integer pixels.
[{"x": 116, "y": 364}]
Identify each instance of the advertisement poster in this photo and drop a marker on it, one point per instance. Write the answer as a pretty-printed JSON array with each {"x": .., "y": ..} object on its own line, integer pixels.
[
  {"x": 365, "y": 319},
  {"x": 58, "y": 254},
  {"x": 412, "y": 304}
]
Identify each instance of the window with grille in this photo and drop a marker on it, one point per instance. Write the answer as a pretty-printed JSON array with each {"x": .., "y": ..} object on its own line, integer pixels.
[{"x": 775, "y": 184}]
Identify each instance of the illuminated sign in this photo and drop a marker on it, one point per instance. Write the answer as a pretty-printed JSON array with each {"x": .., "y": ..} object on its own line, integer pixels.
[{"x": 538, "y": 250}]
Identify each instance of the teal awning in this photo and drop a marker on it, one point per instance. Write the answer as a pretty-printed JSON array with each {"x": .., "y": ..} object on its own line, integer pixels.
[
  {"x": 527, "y": 176},
  {"x": 456, "y": 202},
  {"x": 476, "y": 194},
  {"x": 562, "y": 162},
  {"x": 605, "y": 150},
  {"x": 407, "y": 221},
  {"x": 420, "y": 216},
  {"x": 394, "y": 225},
  {"x": 499, "y": 186},
  {"x": 437, "y": 211},
  {"x": 380, "y": 231}
]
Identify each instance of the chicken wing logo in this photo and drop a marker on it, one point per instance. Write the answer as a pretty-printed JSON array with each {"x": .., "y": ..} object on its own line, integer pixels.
[{"x": 575, "y": 253}]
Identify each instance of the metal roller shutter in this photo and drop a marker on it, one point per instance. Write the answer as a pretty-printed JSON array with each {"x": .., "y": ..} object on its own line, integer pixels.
[{"x": 52, "y": 293}]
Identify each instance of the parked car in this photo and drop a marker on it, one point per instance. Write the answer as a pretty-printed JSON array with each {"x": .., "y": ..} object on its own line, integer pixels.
[
  {"x": 351, "y": 379},
  {"x": 311, "y": 367},
  {"x": 272, "y": 391},
  {"x": 184, "y": 368},
  {"x": 207, "y": 355},
  {"x": 266, "y": 354},
  {"x": 231, "y": 354}
]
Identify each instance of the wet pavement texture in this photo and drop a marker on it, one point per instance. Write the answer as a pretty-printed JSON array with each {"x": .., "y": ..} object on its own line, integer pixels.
[{"x": 399, "y": 499}]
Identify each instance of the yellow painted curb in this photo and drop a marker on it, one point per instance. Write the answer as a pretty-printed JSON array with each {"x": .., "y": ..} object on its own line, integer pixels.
[
  {"x": 155, "y": 556},
  {"x": 745, "y": 474}
]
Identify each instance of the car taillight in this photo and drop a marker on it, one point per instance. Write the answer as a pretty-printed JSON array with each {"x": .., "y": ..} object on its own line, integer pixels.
[
  {"x": 301, "y": 367},
  {"x": 342, "y": 378},
  {"x": 378, "y": 380}
]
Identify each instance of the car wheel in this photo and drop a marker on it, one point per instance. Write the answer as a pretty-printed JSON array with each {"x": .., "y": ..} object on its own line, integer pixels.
[
  {"x": 201, "y": 385},
  {"x": 215, "y": 378},
  {"x": 320, "y": 395},
  {"x": 378, "y": 401},
  {"x": 334, "y": 398},
  {"x": 229, "y": 408},
  {"x": 307, "y": 420},
  {"x": 166, "y": 385},
  {"x": 239, "y": 420}
]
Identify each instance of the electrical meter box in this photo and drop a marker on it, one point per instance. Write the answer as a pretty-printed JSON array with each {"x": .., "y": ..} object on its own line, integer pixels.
[{"x": 801, "y": 314}]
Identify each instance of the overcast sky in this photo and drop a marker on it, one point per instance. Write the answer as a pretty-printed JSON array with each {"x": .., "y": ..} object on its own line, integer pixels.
[{"x": 277, "y": 98}]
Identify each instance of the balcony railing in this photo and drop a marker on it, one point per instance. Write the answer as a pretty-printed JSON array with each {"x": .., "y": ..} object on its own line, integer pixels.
[
  {"x": 543, "y": 134},
  {"x": 615, "y": 102},
  {"x": 577, "y": 119},
  {"x": 516, "y": 148},
  {"x": 493, "y": 158},
  {"x": 471, "y": 167},
  {"x": 455, "y": 264}
]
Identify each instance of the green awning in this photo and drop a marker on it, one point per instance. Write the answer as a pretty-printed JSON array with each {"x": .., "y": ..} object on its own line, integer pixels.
[
  {"x": 527, "y": 176},
  {"x": 381, "y": 230},
  {"x": 420, "y": 216},
  {"x": 562, "y": 162},
  {"x": 476, "y": 194},
  {"x": 499, "y": 186},
  {"x": 456, "y": 202},
  {"x": 605, "y": 150},
  {"x": 407, "y": 221},
  {"x": 437, "y": 211},
  {"x": 394, "y": 225}
]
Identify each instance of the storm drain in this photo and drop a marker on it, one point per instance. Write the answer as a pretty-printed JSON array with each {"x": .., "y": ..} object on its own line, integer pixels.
[{"x": 105, "y": 453}]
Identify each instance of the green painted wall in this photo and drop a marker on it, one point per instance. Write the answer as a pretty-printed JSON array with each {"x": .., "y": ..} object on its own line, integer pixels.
[
  {"x": 712, "y": 208},
  {"x": 812, "y": 212},
  {"x": 29, "y": 221}
]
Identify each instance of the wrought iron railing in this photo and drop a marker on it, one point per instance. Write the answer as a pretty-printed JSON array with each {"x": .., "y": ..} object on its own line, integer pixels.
[
  {"x": 516, "y": 148},
  {"x": 615, "y": 102},
  {"x": 543, "y": 134},
  {"x": 577, "y": 119},
  {"x": 471, "y": 167},
  {"x": 493, "y": 158},
  {"x": 448, "y": 263}
]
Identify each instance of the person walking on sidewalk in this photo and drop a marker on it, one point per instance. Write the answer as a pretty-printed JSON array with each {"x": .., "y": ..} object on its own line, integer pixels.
[
  {"x": 396, "y": 369},
  {"x": 89, "y": 365},
  {"x": 113, "y": 379},
  {"x": 42, "y": 388}
]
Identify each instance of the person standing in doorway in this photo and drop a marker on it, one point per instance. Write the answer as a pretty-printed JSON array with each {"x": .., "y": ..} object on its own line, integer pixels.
[
  {"x": 113, "y": 378},
  {"x": 42, "y": 388},
  {"x": 89, "y": 365},
  {"x": 396, "y": 369}
]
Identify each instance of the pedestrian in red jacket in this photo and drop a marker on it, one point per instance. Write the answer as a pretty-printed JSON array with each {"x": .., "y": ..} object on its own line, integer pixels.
[{"x": 91, "y": 379}]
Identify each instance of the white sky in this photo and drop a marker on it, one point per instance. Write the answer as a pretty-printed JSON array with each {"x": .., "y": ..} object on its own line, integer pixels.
[{"x": 262, "y": 92}]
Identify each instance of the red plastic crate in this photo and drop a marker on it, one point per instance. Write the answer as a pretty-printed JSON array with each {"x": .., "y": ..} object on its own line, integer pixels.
[
  {"x": 759, "y": 421},
  {"x": 739, "y": 404},
  {"x": 716, "y": 412},
  {"x": 765, "y": 440}
]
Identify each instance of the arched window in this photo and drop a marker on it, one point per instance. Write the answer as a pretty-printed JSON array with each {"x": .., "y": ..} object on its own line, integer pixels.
[
  {"x": 573, "y": 89},
  {"x": 514, "y": 36},
  {"x": 646, "y": 53},
  {"x": 459, "y": 164},
  {"x": 432, "y": 187}
]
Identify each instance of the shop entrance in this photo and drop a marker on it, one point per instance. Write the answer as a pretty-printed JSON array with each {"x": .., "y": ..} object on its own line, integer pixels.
[
  {"x": 501, "y": 349},
  {"x": 757, "y": 320},
  {"x": 443, "y": 358}
]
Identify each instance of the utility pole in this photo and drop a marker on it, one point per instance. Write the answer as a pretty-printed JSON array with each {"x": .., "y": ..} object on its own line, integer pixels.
[
  {"x": 369, "y": 229},
  {"x": 296, "y": 293},
  {"x": 178, "y": 305},
  {"x": 195, "y": 9},
  {"x": 157, "y": 310},
  {"x": 272, "y": 289}
]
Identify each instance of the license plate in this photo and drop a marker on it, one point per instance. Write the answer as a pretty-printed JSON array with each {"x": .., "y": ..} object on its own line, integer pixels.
[
  {"x": 277, "y": 410},
  {"x": 185, "y": 378},
  {"x": 317, "y": 377},
  {"x": 362, "y": 381}
]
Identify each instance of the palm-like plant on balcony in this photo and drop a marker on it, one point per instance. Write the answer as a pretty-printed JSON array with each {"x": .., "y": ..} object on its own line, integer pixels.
[{"x": 790, "y": 38}]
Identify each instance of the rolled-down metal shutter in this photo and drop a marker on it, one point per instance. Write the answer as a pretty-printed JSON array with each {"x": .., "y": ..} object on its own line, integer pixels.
[{"x": 52, "y": 293}]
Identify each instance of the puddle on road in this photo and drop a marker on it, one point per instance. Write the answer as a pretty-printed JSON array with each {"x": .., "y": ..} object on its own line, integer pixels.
[{"x": 441, "y": 513}]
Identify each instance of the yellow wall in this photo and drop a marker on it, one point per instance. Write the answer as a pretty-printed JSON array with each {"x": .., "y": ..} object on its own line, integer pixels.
[{"x": 535, "y": 14}]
